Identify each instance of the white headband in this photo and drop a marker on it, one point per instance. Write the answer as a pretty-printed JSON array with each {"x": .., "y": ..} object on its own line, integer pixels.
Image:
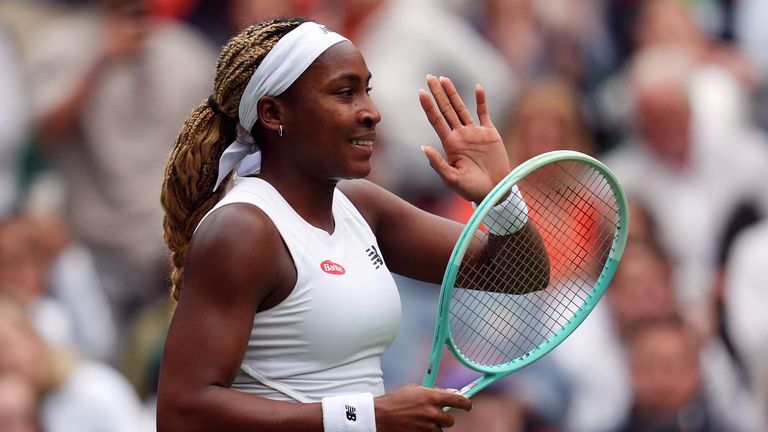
[{"x": 285, "y": 63}]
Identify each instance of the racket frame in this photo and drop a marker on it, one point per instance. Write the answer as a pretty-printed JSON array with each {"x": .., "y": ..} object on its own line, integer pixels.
[{"x": 442, "y": 335}]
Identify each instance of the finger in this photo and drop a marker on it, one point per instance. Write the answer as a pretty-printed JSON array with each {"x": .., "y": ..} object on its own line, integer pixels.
[
  {"x": 445, "y": 420},
  {"x": 482, "y": 107},
  {"x": 443, "y": 103},
  {"x": 443, "y": 169},
  {"x": 458, "y": 105},
  {"x": 433, "y": 115},
  {"x": 455, "y": 400}
]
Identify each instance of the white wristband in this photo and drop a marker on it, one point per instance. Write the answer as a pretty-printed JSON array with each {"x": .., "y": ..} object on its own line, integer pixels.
[
  {"x": 349, "y": 413},
  {"x": 508, "y": 216}
]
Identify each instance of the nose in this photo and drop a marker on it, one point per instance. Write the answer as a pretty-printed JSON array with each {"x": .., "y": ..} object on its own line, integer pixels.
[{"x": 369, "y": 114}]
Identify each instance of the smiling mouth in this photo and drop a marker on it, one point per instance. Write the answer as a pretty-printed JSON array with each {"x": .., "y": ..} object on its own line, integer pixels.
[{"x": 362, "y": 143}]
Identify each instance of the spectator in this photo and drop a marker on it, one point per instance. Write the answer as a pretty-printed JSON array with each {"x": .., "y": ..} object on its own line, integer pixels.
[
  {"x": 220, "y": 20},
  {"x": 675, "y": 166},
  {"x": 539, "y": 37},
  {"x": 78, "y": 395},
  {"x": 13, "y": 123},
  {"x": 54, "y": 277},
  {"x": 547, "y": 116},
  {"x": 672, "y": 23},
  {"x": 112, "y": 84},
  {"x": 669, "y": 387},
  {"x": 605, "y": 383},
  {"x": 746, "y": 294}
]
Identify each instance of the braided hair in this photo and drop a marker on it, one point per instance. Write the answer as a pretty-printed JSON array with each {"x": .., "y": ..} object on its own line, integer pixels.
[{"x": 192, "y": 167}]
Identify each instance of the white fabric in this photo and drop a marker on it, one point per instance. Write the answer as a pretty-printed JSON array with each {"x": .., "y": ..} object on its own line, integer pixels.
[
  {"x": 242, "y": 151},
  {"x": 508, "y": 216},
  {"x": 327, "y": 337},
  {"x": 75, "y": 284},
  {"x": 349, "y": 413},
  {"x": 746, "y": 285},
  {"x": 752, "y": 33},
  {"x": 93, "y": 398},
  {"x": 284, "y": 63}
]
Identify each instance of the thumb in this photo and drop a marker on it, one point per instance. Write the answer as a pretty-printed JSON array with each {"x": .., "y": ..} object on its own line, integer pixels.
[{"x": 439, "y": 164}]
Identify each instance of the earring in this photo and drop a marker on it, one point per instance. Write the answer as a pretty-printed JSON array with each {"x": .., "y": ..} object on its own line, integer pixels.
[{"x": 280, "y": 130}]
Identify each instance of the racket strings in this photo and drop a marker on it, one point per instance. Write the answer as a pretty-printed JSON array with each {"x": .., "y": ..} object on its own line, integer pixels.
[{"x": 492, "y": 321}]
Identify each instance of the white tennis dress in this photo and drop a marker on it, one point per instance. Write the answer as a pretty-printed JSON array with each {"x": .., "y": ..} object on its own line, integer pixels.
[{"x": 327, "y": 337}]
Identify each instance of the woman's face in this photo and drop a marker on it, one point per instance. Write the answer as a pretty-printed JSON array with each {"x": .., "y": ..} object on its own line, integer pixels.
[{"x": 329, "y": 119}]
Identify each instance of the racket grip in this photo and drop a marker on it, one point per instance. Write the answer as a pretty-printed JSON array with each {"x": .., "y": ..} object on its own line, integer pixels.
[{"x": 467, "y": 388}]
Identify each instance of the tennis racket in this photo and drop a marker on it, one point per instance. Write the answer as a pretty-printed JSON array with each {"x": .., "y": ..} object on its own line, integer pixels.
[{"x": 580, "y": 214}]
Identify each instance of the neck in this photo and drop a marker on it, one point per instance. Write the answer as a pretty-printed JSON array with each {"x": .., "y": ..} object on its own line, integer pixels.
[{"x": 312, "y": 199}]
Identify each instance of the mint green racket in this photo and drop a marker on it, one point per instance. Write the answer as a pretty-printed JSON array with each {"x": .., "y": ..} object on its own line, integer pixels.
[{"x": 579, "y": 213}]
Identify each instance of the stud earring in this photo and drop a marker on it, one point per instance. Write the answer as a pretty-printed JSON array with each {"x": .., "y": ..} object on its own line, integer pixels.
[{"x": 280, "y": 130}]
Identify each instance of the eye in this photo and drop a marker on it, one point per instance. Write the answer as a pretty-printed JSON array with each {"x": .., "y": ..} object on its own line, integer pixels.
[{"x": 346, "y": 91}]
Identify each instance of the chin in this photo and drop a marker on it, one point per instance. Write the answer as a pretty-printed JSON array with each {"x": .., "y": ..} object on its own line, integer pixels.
[
  {"x": 357, "y": 172},
  {"x": 359, "y": 175}
]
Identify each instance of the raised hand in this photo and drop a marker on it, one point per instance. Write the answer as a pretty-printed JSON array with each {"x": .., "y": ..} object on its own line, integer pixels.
[
  {"x": 414, "y": 408},
  {"x": 476, "y": 157}
]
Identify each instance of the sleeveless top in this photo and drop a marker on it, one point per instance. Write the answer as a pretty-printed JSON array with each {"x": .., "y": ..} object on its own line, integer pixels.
[{"x": 327, "y": 337}]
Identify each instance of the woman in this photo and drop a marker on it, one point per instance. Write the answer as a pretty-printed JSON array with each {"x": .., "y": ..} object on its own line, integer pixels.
[{"x": 287, "y": 294}]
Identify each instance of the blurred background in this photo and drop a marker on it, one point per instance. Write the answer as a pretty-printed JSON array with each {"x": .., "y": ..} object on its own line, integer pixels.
[{"x": 670, "y": 94}]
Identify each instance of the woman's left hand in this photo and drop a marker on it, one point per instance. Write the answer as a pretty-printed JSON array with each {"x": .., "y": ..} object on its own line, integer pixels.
[{"x": 476, "y": 157}]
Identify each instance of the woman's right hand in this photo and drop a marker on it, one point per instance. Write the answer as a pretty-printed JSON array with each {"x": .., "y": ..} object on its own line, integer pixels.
[{"x": 415, "y": 408}]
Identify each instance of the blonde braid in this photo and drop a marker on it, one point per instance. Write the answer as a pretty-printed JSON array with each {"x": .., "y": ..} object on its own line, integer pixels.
[{"x": 192, "y": 166}]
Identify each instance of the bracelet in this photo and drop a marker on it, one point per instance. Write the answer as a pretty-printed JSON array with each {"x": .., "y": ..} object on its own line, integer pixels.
[
  {"x": 349, "y": 413},
  {"x": 508, "y": 216}
]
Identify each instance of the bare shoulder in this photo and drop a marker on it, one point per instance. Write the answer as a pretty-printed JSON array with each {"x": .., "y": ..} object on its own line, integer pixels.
[{"x": 227, "y": 246}]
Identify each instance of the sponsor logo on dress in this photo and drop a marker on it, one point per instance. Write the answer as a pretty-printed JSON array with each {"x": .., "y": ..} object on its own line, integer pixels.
[{"x": 331, "y": 267}]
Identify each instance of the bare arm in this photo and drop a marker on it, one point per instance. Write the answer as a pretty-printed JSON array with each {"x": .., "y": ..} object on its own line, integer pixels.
[
  {"x": 211, "y": 326},
  {"x": 418, "y": 244},
  {"x": 236, "y": 264},
  {"x": 414, "y": 243},
  {"x": 516, "y": 263}
]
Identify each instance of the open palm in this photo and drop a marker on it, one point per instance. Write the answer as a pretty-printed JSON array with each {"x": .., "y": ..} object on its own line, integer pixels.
[{"x": 476, "y": 159}]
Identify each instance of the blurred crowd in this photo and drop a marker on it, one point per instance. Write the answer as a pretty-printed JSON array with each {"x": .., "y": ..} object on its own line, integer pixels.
[{"x": 671, "y": 94}]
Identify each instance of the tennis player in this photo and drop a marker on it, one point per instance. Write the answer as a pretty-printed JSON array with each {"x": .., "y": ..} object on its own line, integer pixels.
[{"x": 281, "y": 271}]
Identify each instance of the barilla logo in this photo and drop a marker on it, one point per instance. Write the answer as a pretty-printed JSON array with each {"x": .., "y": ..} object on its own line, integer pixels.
[{"x": 331, "y": 267}]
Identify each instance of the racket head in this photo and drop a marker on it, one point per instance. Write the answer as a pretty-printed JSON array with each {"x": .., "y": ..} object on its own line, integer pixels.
[{"x": 497, "y": 333}]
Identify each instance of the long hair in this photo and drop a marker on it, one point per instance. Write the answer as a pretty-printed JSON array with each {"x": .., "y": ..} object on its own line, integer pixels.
[{"x": 192, "y": 166}]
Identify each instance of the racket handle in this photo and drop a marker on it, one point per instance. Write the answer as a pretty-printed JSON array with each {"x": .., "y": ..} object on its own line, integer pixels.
[
  {"x": 463, "y": 392},
  {"x": 467, "y": 388}
]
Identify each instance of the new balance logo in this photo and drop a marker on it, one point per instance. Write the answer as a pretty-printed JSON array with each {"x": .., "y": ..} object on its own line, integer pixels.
[
  {"x": 375, "y": 257},
  {"x": 351, "y": 413}
]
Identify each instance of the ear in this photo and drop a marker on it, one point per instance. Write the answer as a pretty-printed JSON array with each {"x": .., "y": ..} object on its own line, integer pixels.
[{"x": 270, "y": 111}]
